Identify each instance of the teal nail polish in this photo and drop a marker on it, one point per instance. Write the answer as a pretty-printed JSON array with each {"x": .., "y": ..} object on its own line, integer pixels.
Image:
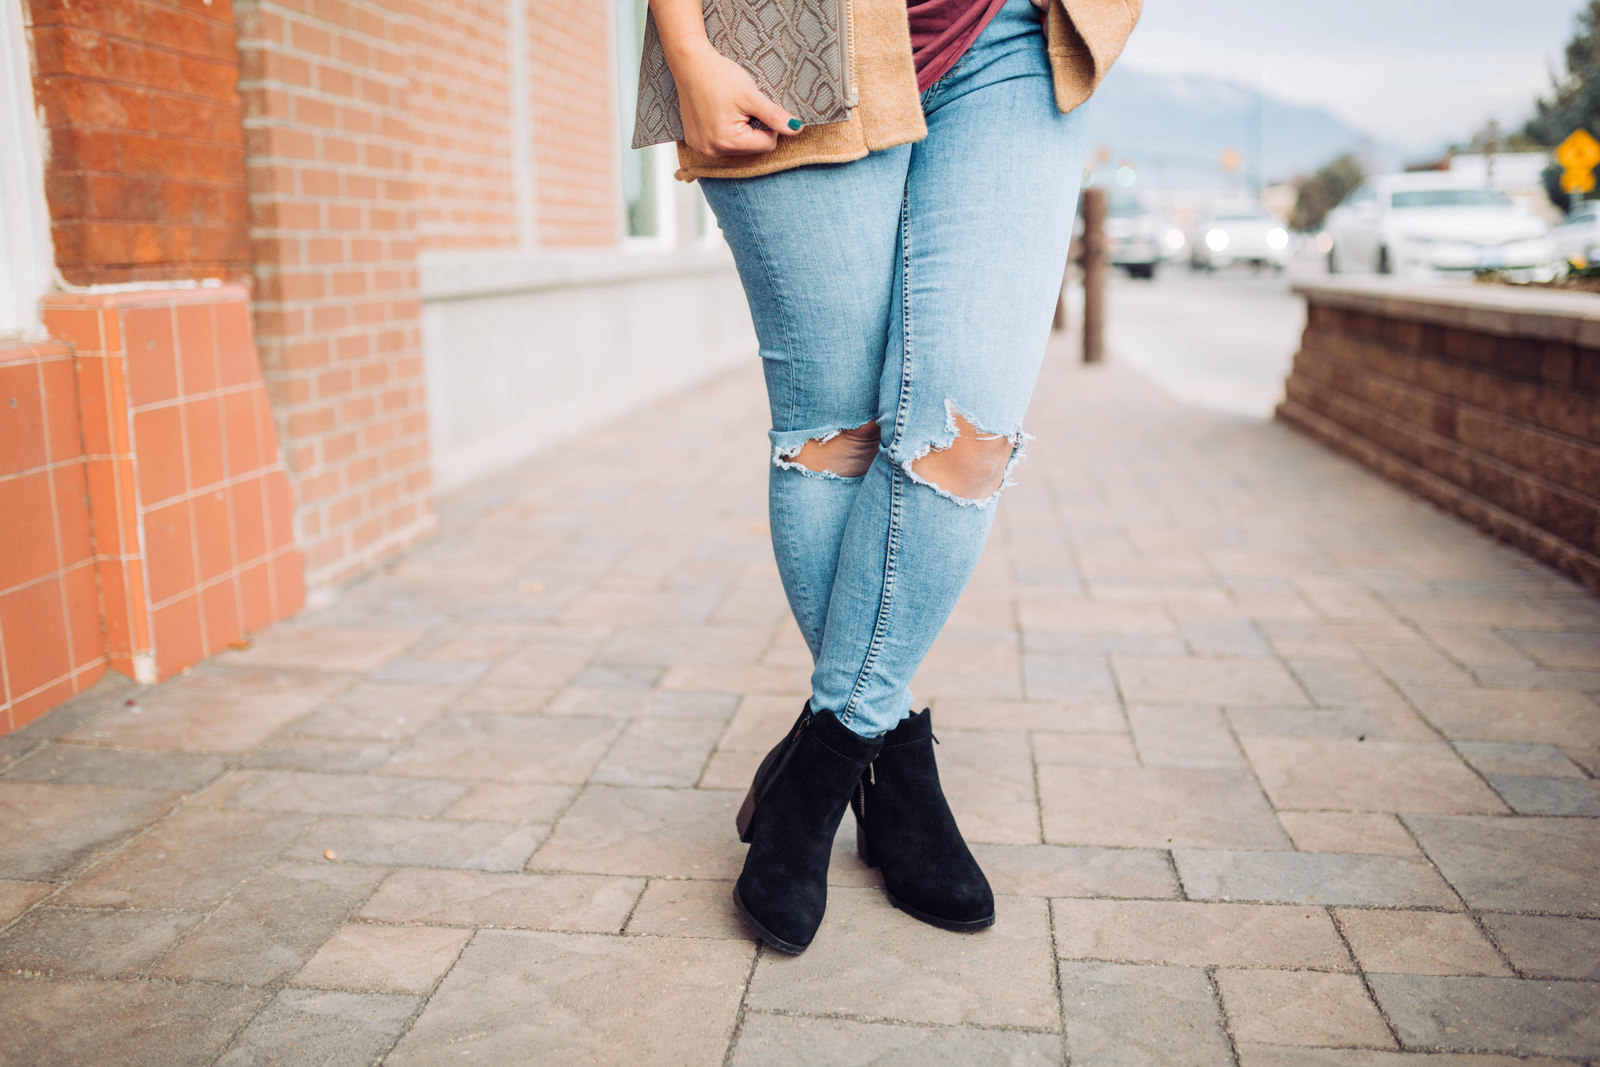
[{"x": 795, "y": 124}]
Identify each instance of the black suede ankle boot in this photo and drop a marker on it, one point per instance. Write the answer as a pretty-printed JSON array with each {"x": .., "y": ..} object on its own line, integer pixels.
[
  {"x": 904, "y": 827},
  {"x": 789, "y": 819}
]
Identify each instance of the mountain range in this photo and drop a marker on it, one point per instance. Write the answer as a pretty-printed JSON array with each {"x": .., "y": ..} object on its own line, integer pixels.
[{"x": 1175, "y": 128}]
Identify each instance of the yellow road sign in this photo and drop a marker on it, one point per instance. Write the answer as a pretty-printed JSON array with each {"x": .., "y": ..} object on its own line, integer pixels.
[{"x": 1578, "y": 155}]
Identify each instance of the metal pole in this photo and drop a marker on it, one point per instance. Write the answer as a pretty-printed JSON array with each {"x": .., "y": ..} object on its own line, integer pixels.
[{"x": 1094, "y": 274}]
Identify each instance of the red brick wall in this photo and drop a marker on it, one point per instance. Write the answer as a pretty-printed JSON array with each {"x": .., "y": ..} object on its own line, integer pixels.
[
  {"x": 145, "y": 177},
  {"x": 461, "y": 115},
  {"x": 333, "y": 203},
  {"x": 574, "y": 121},
  {"x": 1480, "y": 408}
]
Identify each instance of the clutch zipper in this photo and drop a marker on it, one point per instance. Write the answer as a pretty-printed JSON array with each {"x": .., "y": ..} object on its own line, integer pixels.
[{"x": 847, "y": 51}]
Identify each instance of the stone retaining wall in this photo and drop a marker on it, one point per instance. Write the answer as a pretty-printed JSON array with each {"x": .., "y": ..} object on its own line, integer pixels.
[{"x": 1484, "y": 400}]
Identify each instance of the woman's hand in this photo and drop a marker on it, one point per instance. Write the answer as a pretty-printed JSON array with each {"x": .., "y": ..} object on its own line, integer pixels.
[{"x": 717, "y": 99}]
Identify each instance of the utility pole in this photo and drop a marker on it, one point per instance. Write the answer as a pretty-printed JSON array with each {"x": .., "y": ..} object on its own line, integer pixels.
[{"x": 1255, "y": 157}]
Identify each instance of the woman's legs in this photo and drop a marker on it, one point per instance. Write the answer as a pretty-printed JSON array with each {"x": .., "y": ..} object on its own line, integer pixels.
[
  {"x": 985, "y": 224},
  {"x": 908, "y": 292},
  {"x": 816, "y": 250},
  {"x": 912, "y": 289}
]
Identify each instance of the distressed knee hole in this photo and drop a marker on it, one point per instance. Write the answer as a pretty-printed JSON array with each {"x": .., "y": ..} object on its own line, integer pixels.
[
  {"x": 972, "y": 467},
  {"x": 846, "y": 454}
]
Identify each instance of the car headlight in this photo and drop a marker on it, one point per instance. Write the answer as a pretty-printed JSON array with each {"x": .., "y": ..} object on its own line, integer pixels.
[
  {"x": 1277, "y": 238},
  {"x": 1217, "y": 240},
  {"x": 1174, "y": 239}
]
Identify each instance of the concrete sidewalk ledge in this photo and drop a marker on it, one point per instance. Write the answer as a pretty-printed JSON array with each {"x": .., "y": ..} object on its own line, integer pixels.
[{"x": 1500, "y": 310}]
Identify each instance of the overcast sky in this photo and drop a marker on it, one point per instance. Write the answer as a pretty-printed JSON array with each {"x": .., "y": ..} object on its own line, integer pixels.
[{"x": 1416, "y": 73}]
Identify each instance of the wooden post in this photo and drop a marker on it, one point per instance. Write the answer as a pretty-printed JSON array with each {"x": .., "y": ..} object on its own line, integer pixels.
[{"x": 1094, "y": 274}]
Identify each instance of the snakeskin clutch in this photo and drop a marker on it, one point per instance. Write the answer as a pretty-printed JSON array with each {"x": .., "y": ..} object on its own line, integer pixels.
[{"x": 798, "y": 51}]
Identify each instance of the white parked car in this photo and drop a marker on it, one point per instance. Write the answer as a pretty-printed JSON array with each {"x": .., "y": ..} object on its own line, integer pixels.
[
  {"x": 1432, "y": 225},
  {"x": 1136, "y": 236},
  {"x": 1577, "y": 239},
  {"x": 1238, "y": 232}
]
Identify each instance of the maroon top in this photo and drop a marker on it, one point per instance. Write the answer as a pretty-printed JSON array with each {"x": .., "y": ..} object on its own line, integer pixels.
[{"x": 942, "y": 31}]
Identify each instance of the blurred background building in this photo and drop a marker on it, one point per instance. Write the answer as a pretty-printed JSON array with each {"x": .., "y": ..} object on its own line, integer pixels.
[{"x": 276, "y": 274}]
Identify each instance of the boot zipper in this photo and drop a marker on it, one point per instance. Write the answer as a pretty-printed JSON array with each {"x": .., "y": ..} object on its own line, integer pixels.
[
  {"x": 847, "y": 51},
  {"x": 859, "y": 800},
  {"x": 764, "y": 782}
]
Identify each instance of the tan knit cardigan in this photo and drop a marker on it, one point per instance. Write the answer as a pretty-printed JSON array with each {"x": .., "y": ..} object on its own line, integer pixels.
[{"x": 1085, "y": 37}]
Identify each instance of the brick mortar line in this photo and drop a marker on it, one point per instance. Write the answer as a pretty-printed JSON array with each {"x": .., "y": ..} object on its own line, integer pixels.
[
  {"x": 404, "y": 294},
  {"x": 171, "y": 94},
  {"x": 357, "y": 559},
  {"x": 1490, "y": 369},
  {"x": 1329, "y": 359},
  {"x": 354, "y": 426},
  {"x": 399, "y": 84},
  {"x": 357, "y": 427},
  {"x": 289, "y": 15},
  {"x": 152, "y": 45},
  {"x": 283, "y": 43},
  {"x": 339, "y": 168}
]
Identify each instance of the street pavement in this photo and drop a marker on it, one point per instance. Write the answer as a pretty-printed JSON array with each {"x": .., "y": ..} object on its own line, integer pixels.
[
  {"x": 1269, "y": 764},
  {"x": 1220, "y": 341}
]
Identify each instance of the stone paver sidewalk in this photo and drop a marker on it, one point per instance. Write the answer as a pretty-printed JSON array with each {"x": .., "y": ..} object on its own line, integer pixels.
[{"x": 1270, "y": 763}]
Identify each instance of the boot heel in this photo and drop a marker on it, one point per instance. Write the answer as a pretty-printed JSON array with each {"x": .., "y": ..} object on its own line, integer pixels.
[
  {"x": 861, "y": 844},
  {"x": 747, "y": 812},
  {"x": 771, "y": 764}
]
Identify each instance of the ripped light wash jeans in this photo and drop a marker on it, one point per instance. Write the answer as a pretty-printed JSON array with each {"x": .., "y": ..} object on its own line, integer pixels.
[{"x": 905, "y": 288}]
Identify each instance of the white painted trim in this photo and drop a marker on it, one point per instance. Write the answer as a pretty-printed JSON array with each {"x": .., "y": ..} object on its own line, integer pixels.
[
  {"x": 476, "y": 275},
  {"x": 661, "y": 160},
  {"x": 523, "y": 173},
  {"x": 27, "y": 258}
]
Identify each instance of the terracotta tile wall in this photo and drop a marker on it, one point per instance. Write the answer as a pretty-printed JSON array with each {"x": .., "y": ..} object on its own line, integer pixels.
[
  {"x": 461, "y": 115},
  {"x": 192, "y": 512},
  {"x": 574, "y": 122},
  {"x": 146, "y": 175},
  {"x": 50, "y": 640},
  {"x": 333, "y": 225}
]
